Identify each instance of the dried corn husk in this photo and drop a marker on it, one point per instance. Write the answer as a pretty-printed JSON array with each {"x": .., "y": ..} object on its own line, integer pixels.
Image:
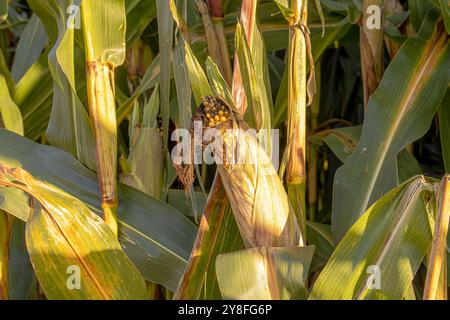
[{"x": 260, "y": 205}]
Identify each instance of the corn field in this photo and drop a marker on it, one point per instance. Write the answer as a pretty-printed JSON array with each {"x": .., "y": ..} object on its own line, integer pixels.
[{"x": 224, "y": 149}]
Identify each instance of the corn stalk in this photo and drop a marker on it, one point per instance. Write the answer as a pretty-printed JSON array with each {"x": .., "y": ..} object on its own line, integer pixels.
[
  {"x": 215, "y": 41},
  {"x": 371, "y": 38},
  {"x": 104, "y": 32},
  {"x": 297, "y": 102},
  {"x": 436, "y": 282},
  {"x": 102, "y": 111},
  {"x": 217, "y": 16}
]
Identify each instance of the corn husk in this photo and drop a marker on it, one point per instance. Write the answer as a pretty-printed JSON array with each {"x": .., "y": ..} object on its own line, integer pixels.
[{"x": 260, "y": 204}]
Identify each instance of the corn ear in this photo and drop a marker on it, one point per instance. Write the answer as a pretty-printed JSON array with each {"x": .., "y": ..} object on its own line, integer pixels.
[{"x": 260, "y": 204}]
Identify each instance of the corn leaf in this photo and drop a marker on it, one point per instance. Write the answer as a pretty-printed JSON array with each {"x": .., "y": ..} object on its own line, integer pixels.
[
  {"x": 177, "y": 199},
  {"x": 252, "y": 69},
  {"x": 184, "y": 92},
  {"x": 445, "y": 9},
  {"x": 218, "y": 83},
  {"x": 284, "y": 8},
  {"x": 343, "y": 142},
  {"x": 150, "y": 79},
  {"x": 155, "y": 236},
  {"x": 62, "y": 233},
  {"x": 444, "y": 129},
  {"x": 218, "y": 233},
  {"x": 199, "y": 82},
  {"x": 22, "y": 280},
  {"x": 10, "y": 117},
  {"x": 34, "y": 94},
  {"x": 32, "y": 41},
  {"x": 145, "y": 161},
  {"x": 381, "y": 253},
  {"x": 3, "y": 10},
  {"x": 319, "y": 236},
  {"x": 5, "y": 71},
  {"x": 104, "y": 22},
  {"x": 399, "y": 113},
  {"x": 418, "y": 9},
  {"x": 69, "y": 126},
  {"x": 139, "y": 15}
]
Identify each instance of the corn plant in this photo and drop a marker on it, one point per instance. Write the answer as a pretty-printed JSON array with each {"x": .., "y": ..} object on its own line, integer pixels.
[{"x": 224, "y": 149}]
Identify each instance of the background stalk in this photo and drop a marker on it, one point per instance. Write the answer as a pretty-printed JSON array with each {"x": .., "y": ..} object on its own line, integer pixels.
[
  {"x": 313, "y": 188},
  {"x": 4, "y": 254},
  {"x": 212, "y": 39},
  {"x": 393, "y": 7},
  {"x": 297, "y": 101},
  {"x": 371, "y": 51},
  {"x": 217, "y": 16},
  {"x": 436, "y": 283}
]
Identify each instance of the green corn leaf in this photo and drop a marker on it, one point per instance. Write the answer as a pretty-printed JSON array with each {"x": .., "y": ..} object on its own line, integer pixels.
[
  {"x": 3, "y": 10},
  {"x": 218, "y": 83},
  {"x": 253, "y": 66},
  {"x": 445, "y": 9},
  {"x": 218, "y": 233},
  {"x": 30, "y": 46},
  {"x": 34, "y": 94},
  {"x": 418, "y": 11},
  {"x": 63, "y": 236},
  {"x": 399, "y": 112},
  {"x": 197, "y": 77},
  {"x": 380, "y": 255},
  {"x": 139, "y": 15},
  {"x": 22, "y": 282},
  {"x": 10, "y": 117},
  {"x": 149, "y": 81},
  {"x": 5, "y": 71},
  {"x": 69, "y": 126},
  {"x": 154, "y": 235},
  {"x": 444, "y": 129},
  {"x": 104, "y": 21},
  {"x": 343, "y": 142}
]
